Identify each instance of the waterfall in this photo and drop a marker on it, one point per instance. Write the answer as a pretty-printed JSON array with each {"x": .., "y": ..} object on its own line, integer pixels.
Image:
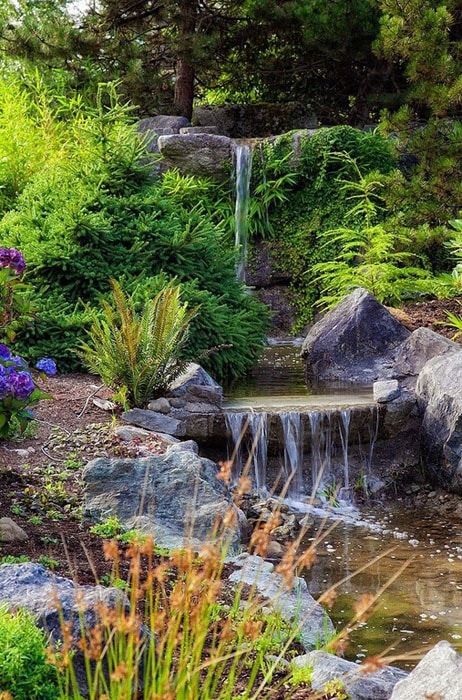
[
  {"x": 330, "y": 435},
  {"x": 235, "y": 423},
  {"x": 243, "y": 159},
  {"x": 254, "y": 427},
  {"x": 293, "y": 452},
  {"x": 258, "y": 427},
  {"x": 345, "y": 416}
]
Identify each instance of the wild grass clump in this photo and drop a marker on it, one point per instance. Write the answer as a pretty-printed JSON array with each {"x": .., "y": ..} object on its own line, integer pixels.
[{"x": 184, "y": 632}]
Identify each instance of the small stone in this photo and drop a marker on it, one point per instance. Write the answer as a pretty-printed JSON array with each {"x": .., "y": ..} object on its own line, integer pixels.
[
  {"x": 274, "y": 550},
  {"x": 11, "y": 532},
  {"x": 127, "y": 433},
  {"x": 385, "y": 391},
  {"x": 186, "y": 446},
  {"x": 104, "y": 404},
  {"x": 161, "y": 405}
]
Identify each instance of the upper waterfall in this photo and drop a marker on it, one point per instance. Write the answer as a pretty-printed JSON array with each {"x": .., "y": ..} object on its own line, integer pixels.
[{"x": 243, "y": 174}]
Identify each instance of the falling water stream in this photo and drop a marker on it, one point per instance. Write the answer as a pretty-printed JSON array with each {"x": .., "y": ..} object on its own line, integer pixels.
[
  {"x": 243, "y": 170},
  {"x": 422, "y": 606}
]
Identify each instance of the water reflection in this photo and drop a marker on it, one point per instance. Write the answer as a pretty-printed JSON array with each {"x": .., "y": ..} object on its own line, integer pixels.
[{"x": 420, "y": 608}]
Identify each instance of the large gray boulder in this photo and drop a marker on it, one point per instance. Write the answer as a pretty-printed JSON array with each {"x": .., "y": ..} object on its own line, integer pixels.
[
  {"x": 295, "y": 605},
  {"x": 198, "y": 154},
  {"x": 176, "y": 498},
  {"x": 420, "y": 347},
  {"x": 359, "y": 686},
  {"x": 439, "y": 391},
  {"x": 48, "y": 597},
  {"x": 355, "y": 342},
  {"x": 437, "y": 676}
]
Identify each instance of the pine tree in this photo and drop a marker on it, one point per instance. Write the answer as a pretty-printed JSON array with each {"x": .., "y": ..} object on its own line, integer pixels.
[{"x": 425, "y": 36}]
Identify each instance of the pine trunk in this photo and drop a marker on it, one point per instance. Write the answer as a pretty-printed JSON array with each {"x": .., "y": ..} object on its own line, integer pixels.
[{"x": 185, "y": 73}]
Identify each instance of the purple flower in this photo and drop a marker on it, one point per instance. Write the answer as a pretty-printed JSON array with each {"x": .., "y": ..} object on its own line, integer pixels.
[
  {"x": 12, "y": 258},
  {"x": 18, "y": 361},
  {"x": 5, "y": 353},
  {"x": 47, "y": 365},
  {"x": 21, "y": 384},
  {"x": 4, "y": 386}
]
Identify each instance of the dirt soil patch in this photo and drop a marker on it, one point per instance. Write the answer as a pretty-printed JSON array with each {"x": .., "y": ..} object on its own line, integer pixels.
[
  {"x": 41, "y": 477},
  {"x": 432, "y": 314}
]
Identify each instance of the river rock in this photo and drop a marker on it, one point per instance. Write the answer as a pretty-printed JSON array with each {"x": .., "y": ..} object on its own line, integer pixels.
[
  {"x": 168, "y": 497},
  {"x": 11, "y": 532},
  {"x": 437, "y": 676},
  {"x": 198, "y": 154},
  {"x": 195, "y": 383},
  {"x": 295, "y": 605},
  {"x": 420, "y": 347},
  {"x": 161, "y": 405},
  {"x": 47, "y": 596},
  {"x": 355, "y": 342},
  {"x": 157, "y": 422},
  {"x": 386, "y": 390},
  {"x": 359, "y": 686},
  {"x": 186, "y": 446},
  {"x": 170, "y": 123},
  {"x": 439, "y": 391}
]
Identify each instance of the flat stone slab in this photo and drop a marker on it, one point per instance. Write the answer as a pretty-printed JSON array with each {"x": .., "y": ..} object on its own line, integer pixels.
[
  {"x": 359, "y": 686},
  {"x": 198, "y": 154},
  {"x": 157, "y": 422},
  {"x": 295, "y": 605}
]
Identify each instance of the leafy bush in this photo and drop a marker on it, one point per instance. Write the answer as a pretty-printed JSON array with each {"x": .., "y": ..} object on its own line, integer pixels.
[
  {"x": 139, "y": 354},
  {"x": 24, "y": 671},
  {"x": 99, "y": 213},
  {"x": 321, "y": 235}
]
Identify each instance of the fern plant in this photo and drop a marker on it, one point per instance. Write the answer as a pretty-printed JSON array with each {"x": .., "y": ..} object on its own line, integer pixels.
[
  {"x": 370, "y": 255},
  {"x": 138, "y": 353}
]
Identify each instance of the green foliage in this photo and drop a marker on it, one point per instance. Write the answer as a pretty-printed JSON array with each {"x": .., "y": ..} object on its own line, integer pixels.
[
  {"x": 108, "y": 529},
  {"x": 264, "y": 50},
  {"x": 370, "y": 255},
  {"x": 317, "y": 202},
  {"x": 139, "y": 353},
  {"x": 96, "y": 213},
  {"x": 24, "y": 672},
  {"x": 454, "y": 321},
  {"x": 423, "y": 37},
  {"x": 301, "y": 675}
]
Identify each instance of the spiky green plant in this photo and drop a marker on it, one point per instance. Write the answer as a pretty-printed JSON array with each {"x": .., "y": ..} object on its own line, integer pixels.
[
  {"x": 453, "y": 321},
  {"x": 138, "y": 352}
]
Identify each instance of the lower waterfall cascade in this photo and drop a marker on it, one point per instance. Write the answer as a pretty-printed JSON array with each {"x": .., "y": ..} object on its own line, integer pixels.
[{"x": 312, "y": 454}]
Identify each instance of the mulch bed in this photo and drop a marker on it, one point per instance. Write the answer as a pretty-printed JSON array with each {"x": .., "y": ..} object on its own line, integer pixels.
[
  {"x": 40, "y": 478},
  {"x": 432, "y": 314}
]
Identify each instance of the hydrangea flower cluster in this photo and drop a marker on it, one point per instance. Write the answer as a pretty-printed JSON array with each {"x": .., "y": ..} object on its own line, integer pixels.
[
  {"x": 13, "y": 259},
  {"x": 15, "y": 377}
]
